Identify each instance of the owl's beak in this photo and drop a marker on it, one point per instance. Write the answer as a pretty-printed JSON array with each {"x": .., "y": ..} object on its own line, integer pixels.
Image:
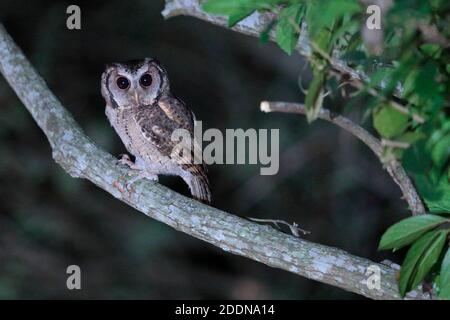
[{"x": 136, "y": 97}]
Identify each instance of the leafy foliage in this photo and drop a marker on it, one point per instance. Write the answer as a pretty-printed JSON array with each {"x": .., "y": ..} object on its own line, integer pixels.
[
  {"x": 389, "y": 122},
  {"x": 288, "y": 29},
  {"x": 445, "y": 277},
  {"x": 421, "y": 257},
  {"x": 408, "y": 230},
  {"x": 237, "y": 10},
  {"x": 427, "y": 234},
  {"x": 409, "y": 89}
]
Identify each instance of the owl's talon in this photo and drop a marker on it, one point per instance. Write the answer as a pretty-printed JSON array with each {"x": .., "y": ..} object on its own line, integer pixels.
[
  {"x": 129, "y": 187},
  {"x": 126, "y": 161},
  {"x": 124, "y": 156},
  {"x": 132, "y": 173}
]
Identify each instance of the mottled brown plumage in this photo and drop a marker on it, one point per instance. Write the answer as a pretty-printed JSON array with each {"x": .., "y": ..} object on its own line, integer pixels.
[{"x": 144, "y": 113}]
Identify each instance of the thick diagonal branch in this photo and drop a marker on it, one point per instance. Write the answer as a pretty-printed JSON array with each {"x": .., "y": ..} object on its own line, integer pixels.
[
  {"x": 393, "y": 167},
  {"x": 80, "y": 157}
]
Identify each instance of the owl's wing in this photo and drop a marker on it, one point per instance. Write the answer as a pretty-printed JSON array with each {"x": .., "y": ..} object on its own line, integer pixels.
[
  {"x": 177, "y": 111},
  {"x": 157, "y": 124}
]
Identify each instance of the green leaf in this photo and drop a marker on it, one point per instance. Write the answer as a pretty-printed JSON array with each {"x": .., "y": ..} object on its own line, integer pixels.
[
  {"x": 417, "y": 159},
  {"x": 389, "y": 122},
  {"x": 322, "y": 39},
  {"x": 236, "y": 17},
  {"x": 265, "y": 34},
  {"x": 233, "y": 7},
  {"x": 411, "y": 137},
  {"x": 431, "y": 49},
  {"x": 338, "y": 8},
  {"x": 441, "y": 151},
  {"x": 323, "y": 14},
  {"x": 314, "y": 96},
  {"x": 355, "y": 57},
  {"x": 433, "y": 187},
  {"x": 286, "y": 32},
  {"x": 436, "y": 195},
  {"x": 420, "y": 258},
  {"x": 406, "y": 231},
  {"x": 444, "y": 292},
  {"x": 425, "y": 83},
  {"x": 237, "y": 10},
  {"x": 382, "y": 74},
  {"x": 227, "y": 7}
]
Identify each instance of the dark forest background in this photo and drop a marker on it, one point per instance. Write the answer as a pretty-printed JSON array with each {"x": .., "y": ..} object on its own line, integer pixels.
[{"x": 328, "y": 182}]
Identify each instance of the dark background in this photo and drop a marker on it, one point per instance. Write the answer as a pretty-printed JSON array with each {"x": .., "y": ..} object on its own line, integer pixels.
[{"x": 329, "y": 183}]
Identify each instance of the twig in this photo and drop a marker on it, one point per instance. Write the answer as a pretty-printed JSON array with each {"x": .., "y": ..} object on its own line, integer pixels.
[
  {"x": 292, "y": 226},
  {"x": 80, "y": 157},
  {"x": 393, "y": 167},
  {"x": 360, "y": 85},
  {"x": 395, "y": 144}
]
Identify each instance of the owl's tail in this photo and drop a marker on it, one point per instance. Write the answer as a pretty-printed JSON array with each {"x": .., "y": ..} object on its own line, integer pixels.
[{"x": 199, "y": 186}]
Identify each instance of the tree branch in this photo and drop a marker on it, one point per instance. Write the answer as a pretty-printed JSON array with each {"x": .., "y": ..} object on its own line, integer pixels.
[
  {"x": 257, "y": 22},
  {"x": 80, "y": 157},
  {"x": 253, "y": 25},
  {"x": 393, "y": 167}
]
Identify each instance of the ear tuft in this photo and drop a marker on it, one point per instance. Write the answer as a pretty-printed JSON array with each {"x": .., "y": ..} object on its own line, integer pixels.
[{"x": 109, "y": 65}]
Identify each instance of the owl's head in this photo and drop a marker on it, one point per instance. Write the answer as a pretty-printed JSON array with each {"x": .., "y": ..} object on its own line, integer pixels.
[{"x": 134, "y": 83}]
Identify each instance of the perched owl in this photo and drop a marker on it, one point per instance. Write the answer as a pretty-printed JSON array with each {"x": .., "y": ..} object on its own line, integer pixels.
[{"x": 144, "y": 113}]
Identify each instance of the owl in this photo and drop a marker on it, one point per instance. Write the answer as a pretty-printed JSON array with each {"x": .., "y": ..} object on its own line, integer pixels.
[{"x": 144, "y": 113}]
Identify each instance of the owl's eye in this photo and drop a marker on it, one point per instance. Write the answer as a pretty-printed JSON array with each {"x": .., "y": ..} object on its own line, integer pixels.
[
  {"x": 145, "y": 80},
  {"x": 122, "y": 83}
]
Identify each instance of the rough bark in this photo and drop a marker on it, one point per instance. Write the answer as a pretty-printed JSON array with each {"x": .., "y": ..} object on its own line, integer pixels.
[{"x": 81, "y": 158}]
